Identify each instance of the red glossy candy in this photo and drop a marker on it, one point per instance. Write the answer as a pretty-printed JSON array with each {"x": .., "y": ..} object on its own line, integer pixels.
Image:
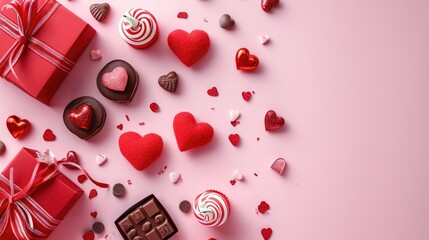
[
  {"x": 234, "y": 139},
  {"x": 17, "y": 127},
  {"x": 268, "y": 4},
  {"x": 48, "y": 135},
  {"x": 81, "y": 117},
  {"x": 272, "y": 121},
  {"x": 245, "y": 61}
]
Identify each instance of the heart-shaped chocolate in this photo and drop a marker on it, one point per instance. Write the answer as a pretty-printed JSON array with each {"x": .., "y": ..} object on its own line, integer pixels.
[
  {"x": 272, "y": 121},
  {"x": 268, "y": 4},
  {"x": 190, "y": 134},
  {"x": 99, "y": 11},
  {"x": 84, "y": 117},
  {"x": 17, "y": 127},
  {"x": 245, "y": 61},
  {"x": 226, "y": 22},
  {"x": 118, "y": 81},
  {"x": 140, "y": 151},
  {"x": 169, "y": 82}
]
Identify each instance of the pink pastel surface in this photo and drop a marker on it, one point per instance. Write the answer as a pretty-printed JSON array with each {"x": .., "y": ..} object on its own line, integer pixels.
[{"x": 349, "y": 77}]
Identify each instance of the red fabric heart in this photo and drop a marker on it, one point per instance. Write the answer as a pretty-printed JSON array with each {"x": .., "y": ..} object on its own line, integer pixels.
[
  {"x": 234, "y": 139},
  {"x": 81, "y": 117},
  {"x": 189, "y": 47},
  {"x": 189, "y": 133},
  {"x": 263, "y": 207},
  {"x": 268, "y": 4},
  {"x": 246, "y": 96},
  {"x": 48, "y": 135},
  {"x": 17, "y": 127},
  {"x": 140, "y": 151},
  {"x": 266, "y": 233},
  {"x": 272, "y": 121},
  {"x": 213, "y": 92},
  {"x": 245, "y": 61}
]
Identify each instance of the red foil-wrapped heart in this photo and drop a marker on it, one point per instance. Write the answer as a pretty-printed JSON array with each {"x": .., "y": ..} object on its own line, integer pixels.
[
  {"x": 81, "y": 117},
  {"x": 268, "y": 4},
  {"x": 17, "y": 127},
  {"x": 245, "y": 61}
]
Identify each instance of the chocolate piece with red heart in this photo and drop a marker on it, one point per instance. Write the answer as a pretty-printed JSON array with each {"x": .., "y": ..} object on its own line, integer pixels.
[
  {"x": 118, "y": 81},
  {"x": 84, "y": 117}
]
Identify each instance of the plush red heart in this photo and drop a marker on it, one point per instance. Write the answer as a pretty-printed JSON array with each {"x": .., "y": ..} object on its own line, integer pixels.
[
  {"x": 17, "y": 127},
  {"x": 272, "y": 121},
  {"x": 234, "y": 139},
  {"x": 189, "y": 133},
  {"x": 81, "y": 116},
  {"x": 266, "y": 233},
  {"x": 268, "y": 4},
  {"x": 263, "y": 207},
  {"x": 245, "y": 61},
  {"x": 140, "y": 151},
  {"x": 189, "y": 47},
  {"x": 48, "y": 135}
]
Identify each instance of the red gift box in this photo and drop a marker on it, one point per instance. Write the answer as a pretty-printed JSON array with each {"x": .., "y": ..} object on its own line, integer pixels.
[
  {"x": 53, "y": 198},
  {"x": 55, "y": 40}
]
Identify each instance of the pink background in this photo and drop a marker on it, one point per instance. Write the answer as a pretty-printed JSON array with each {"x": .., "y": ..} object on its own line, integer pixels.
[{"x": 350, "y": 78}]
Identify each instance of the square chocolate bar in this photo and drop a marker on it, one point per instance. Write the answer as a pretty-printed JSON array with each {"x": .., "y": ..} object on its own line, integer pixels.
[{"x": 146, "y": 220}]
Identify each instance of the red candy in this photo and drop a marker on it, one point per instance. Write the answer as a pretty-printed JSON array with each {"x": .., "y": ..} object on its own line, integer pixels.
[
  {"x": 183, "y": 15},
  {"x": 234, "y": 139},
  {"x": 268, "y": 4},
  {"x": 189, "y": 47},
  {"x": 81, "y": 178},
  {"x": 245, "y": 61},
  {"x": 93, "y": 214},
  {"x": 154, "y": 107},
  {"x": 140, "y": 151},
  {"x": 48, "y": 135},
  {"x": 266, "y": 233},
  {"x": 89, "y": 235},
  {"x": 263, "y": 207},
  {"x": 272, "y": 121},
  {"x": 189, "y": 133},
  {"x": 92, "y": 194},
  {"x": 17, "y": 127},
  {"x": 246, "y": 96},
  {"x": 81, "y": 117},
  {"x": 120, "y": 126},
  {"x": 213, "y": 92}
]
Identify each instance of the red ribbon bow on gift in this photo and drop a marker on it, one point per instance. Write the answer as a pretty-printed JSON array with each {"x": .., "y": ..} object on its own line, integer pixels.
[
  {"x": 28, "y": 21},
  {"x": 19, "y": 211}
]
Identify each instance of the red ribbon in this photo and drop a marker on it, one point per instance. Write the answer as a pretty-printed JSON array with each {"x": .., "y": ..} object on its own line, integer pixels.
[
  {"x": 19, "y": 211},
  {"x": 29, "y": 19}
]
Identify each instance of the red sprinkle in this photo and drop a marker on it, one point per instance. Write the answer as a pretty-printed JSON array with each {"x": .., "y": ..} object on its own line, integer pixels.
[
  {"x": 127, "y": 117},
  {"x": 213, "y": 92},
  {"x": 183, "y": 15},
  {"x": 232, "y": 182},
  {"x": 263, "y": 207},
  {"x": 163, "y": 169},
  {"x": 154, "y": 107},
  {"x": 120, "y": 126},
  {"x": 235, "y": 123},
  {"x": 141, "y": 123},
  {"x": 92, "y": 194},
  {"x": 129, "y": 182},
  {"x": 257, "y": 139},
  {"x": 255, "y": 174},
  {"x": 48, "y": 135},
  {"x": 212, "y": 108},
  {"x": 81, "y": 178},
  {"x": 246, "y": 96},
  {"x": 93, "y": 214},
  {"x": 89, "y": 235},
  {"x": 234, "y": 139},
  {"x": 253, "y": 92}
]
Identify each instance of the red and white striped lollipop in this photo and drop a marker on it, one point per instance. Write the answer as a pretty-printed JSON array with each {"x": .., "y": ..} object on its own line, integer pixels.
[
  {"x": 211, "y": 208},
  {"x": 138, "y": 28}
]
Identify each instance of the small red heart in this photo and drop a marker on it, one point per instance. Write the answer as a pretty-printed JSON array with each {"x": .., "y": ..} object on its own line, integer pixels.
[
  {"x": 93, "y": 214},
  {"x": 190, "y": 134},
  {"x": 213, "y": 92},
  {"x": 263, "y": 207},
  {"x": 189, "y": 47},
  {"x": 115, "y": 80},
  {"x": 268, "y": 4},
  {"x": 234, "y": 139},
  {"x": 92, "y": 194},
  {"x": 272, "y": 121},
  {"x": 82, "y": 178},
  {"x": 154, "y": 107},
  {"x": 266, "y": 233},
  {"x": 140, "y": 151},
  {"x": 17, "y": 127},
  {"x": 182, "y": 15},
  {"x": 89, "y": 235},
  {"x": 120, "y": 126},
  {"x": 245, "y": 61},
  {"x": 48, "y": 135},
  {"x": 246, "y": 96},
  {"x": 81, "y": 116},
  {"x": 232, "y": 182}
]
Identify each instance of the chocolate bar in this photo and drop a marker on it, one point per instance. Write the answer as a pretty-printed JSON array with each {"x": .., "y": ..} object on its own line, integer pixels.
[{"x": 146, "y": 220}]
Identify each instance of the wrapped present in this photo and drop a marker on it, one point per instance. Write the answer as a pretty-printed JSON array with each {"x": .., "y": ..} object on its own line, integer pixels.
[
  {"x": 40, "y": 41},
  {"x": 35, "y": 196}
]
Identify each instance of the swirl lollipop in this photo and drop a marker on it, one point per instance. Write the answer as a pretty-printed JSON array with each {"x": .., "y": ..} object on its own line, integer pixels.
[
  {"x": 211, "y": 208},
  {"x": 138, "y": 28}
]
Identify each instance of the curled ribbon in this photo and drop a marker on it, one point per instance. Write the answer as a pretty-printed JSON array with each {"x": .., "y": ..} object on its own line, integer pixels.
[
  {"x": 19, "y": 211},
  {"x": 28, "y": 21}
]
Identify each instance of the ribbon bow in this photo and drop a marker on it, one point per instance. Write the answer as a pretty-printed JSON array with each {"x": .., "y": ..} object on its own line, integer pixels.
[
  {"x": 28, "y": 21},
  {"x": 19, "y": 211}
]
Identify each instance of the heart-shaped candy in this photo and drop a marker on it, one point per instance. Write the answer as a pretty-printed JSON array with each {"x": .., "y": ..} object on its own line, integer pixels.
[
  {"x": 266, "y": 233},
  {"x": 245, "y": 61},
  {"x": 115, "y": 80},
  {"x": 246, "y": 96},
  {"x": 234, "y": 115},
  {"x": 48, "y": 135},
  {"x": 174, "y": 177},
  {"x": 189, "y": 47},
  {"x": 96, "y": 54},
  {"x": 234, "y": 139},
  {"x": 272, "y": 121},
  {"x": 268, "y": 4},
  {"x": 140, "y": 151},
  {"x": 169, "y": 82},
  {"x": 213, "y": 92},
  {"x": 17, "y": 127},
  {"x": 100, "y": 159},
  {"x": 263, "y": 207},
  {"x": 263, "y": 39},
  {"x": 238, "y": 176},
  {"x": 190, "y": 134},
  {"x": 226, "y": 22},
  {"x": 99, "y": 11},
  {"x": 81, "y": 116},
  {"x": 279, "y": 165}
]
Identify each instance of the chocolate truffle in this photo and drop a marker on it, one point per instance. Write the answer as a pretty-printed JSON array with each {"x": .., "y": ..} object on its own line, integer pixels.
[
  {"x": 84, "y": 117},
  {"x": 118, "y": 81}
]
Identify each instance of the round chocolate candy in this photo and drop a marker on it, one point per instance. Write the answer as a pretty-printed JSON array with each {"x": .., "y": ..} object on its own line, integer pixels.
[
  {"x": 185, "y": 206},
  {"x": 98, "y": 227},
  {"x": 118, "y": 190},
  {"x": 84, "y": 117},
  {"x": 118, "y": 81},
  {"x": 2, "y": 147}
]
